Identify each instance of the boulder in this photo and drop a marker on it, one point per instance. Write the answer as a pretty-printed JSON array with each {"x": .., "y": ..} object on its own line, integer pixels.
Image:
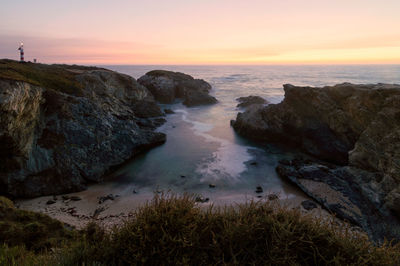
[
  {"x": 166, "y": 86},
  {"x": 64, "y": 126},
  {"x": 250, "y": 100}
]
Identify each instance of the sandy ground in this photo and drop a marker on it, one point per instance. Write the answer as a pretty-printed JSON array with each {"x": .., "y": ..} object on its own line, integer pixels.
[{"x": 78, "y": 213}]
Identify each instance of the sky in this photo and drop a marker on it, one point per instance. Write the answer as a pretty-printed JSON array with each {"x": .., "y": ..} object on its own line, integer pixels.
[{"x": 202, "y": 31}]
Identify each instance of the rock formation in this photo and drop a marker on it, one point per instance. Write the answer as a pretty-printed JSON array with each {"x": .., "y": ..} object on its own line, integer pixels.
[
  {"x": 356, "y": 127},
  {"x": 166, "y": 86},
  {"x": 64, "y": 126},
  {"x": 250, "y": 100}
]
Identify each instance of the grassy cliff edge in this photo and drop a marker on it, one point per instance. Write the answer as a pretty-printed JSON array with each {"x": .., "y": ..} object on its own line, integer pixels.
[{"x": 174, "y": 230}]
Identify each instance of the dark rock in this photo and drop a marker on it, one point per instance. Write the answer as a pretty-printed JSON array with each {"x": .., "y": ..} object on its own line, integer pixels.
[
  {"x": 201, "y": 199},
  {"x": 211, "y": 185},
  {"x": 49, "y": 202},
  {"x": 273, "y": 197},
  {"x": 330, "y": 122},
  {"x": 65, "y": 197},
  {"x": 346, "y": 124},
  {"x": 169, "y": 111},
  {"x": 352, "y": 194},
  {"x": 253, "y": 163},
  {"x": 98, "y": 211},
  {"x": 146, "y": 109},
  {"x": 166, "y": 86},
  {"x": 183, "y": 176},
  {"x": 259, "y": 189},
  {"x": 56, "y": 138},
  {"x": 104, "y": 198},
  {"x": 135, "y": 191},
  {"x": 250, "y": 100},
  {"x": 308, "y": 205}
]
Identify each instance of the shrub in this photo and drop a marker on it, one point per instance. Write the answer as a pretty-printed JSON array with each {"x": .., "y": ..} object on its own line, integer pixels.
[{"x": 174, "y": 230}]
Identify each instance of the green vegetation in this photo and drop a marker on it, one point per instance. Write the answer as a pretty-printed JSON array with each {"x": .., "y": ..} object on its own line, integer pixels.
[
  {"x": 166, "y": 73},
  {"x": 174, "y": 230},
  {"x": 52, "y": 77},
  {"x": 36, "y": 231}
]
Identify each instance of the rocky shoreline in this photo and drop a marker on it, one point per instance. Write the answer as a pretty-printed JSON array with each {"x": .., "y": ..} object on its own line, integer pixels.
[
  {"x": 62, "y": 126},
  {"x": 352, "y": 133}
]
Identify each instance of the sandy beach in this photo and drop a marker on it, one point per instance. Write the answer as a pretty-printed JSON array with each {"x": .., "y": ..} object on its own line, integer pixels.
[{"x": 108, "y": 207}]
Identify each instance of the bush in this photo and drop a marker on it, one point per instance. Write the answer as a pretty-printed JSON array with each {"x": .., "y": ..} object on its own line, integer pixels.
[
  {"x": 35, "y": 231},
  {"x": 174, "y": 230}
]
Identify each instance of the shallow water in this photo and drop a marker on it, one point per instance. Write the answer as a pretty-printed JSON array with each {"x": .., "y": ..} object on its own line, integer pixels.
[{"x": 202, "y": 148}]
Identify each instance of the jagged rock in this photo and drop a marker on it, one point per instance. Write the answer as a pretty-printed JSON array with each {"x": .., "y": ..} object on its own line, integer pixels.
[
  {"x": 355, "y": 126},
  {"x": 330, "y": 122},
  {"x": 250, "y": 100},
  {"x": 352, "y": 194},
  {"x": 108, "y": 197},
  {"x": 146, "y": 109},
  {"x": 166, "y": 86},
  {"x": 308, "y": 205},
  {"x": 64, "y": 126}
]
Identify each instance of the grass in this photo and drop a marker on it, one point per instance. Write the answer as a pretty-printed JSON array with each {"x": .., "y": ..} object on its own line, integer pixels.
[
  {"x": 35, "y": 231},
  {"x": 53, "y": 77},
  {"x": 174, "y": 230}
]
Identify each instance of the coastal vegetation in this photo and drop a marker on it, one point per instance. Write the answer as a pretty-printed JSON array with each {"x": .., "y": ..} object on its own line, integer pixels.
[{"x": 175, "y": 230}]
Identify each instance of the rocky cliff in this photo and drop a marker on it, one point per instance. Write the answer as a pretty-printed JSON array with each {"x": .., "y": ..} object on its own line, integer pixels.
[
  {"x": 166, "y": 86},
  {"x": 356, "y": 127},
  {"x": 64, "y": 126}
]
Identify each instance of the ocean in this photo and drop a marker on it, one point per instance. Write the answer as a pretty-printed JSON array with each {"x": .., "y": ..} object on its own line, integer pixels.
[{"x": 203, "y": 149}]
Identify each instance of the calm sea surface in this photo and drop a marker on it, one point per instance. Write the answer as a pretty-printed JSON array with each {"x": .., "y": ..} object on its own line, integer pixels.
[{"x": 201, "y": 146}]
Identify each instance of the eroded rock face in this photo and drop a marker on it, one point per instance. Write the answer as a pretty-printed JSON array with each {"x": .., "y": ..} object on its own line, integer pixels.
[
  {"x": 166, "y": 86},
  {"x": 53, "y": 141},
  {"x": 352, "y": 194},
  {"x": 330, "y": 122},
  {"x": 354, "y": 126}
]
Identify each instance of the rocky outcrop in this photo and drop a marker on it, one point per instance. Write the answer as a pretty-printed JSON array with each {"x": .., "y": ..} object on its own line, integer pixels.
[
  {"x": 338, "y": 123},
  {"x": 354, "y": 126},
  {"x": 64, "y": 126},
  {"x": 352, "y": 194},
  {"x": 166, "y": 86},
  {"x": 250, "y": 100}
]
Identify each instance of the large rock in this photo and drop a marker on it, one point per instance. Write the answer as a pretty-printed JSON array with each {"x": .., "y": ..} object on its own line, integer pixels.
[
  {"x": 352, "y": 194},
  {"x": 354, "y": 126},
  {"x": 166, "y": 86},
  {"x": 64, "y": 126},
  {"x": 342, "y": 123},
  {"x": 250, "y": 100}
]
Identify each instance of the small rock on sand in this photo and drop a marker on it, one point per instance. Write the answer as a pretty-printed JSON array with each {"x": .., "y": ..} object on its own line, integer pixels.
[{"x": 308, "y": 205}]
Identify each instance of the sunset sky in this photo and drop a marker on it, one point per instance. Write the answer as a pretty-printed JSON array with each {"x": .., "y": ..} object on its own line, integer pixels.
[{"x": 202, "y": 31}]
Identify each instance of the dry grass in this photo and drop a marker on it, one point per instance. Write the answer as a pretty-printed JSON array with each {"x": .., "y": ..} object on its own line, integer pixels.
[{"x": 174, "y": 230}]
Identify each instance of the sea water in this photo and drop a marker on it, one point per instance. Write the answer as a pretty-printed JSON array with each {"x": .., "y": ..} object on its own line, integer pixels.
[{"x": 202, "y": 148}]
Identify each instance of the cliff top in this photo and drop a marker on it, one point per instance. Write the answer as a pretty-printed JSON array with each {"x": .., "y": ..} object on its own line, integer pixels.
[{"x": 57, "y": 77}]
